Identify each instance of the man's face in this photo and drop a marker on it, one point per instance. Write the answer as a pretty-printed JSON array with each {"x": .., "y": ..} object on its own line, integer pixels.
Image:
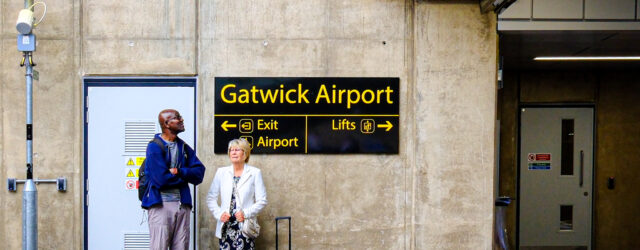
[{"x": 174, "y": 122}]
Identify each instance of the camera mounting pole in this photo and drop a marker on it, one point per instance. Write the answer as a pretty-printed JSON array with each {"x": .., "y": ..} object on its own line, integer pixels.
[
  {"x": 30, "y": 193},
  {"x": 27, "y": 45}
]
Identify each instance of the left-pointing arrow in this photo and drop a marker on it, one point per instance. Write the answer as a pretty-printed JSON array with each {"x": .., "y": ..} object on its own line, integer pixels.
[{"x": 226, "y": 125}]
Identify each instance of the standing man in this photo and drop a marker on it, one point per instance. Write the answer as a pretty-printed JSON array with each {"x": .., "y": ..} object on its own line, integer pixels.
[{"x": 169, "y": 172}]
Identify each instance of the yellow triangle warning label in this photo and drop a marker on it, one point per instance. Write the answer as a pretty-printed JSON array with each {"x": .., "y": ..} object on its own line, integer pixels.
[
  {"x": 131, "y": 174},
  {"x": 130, "y": 162}
]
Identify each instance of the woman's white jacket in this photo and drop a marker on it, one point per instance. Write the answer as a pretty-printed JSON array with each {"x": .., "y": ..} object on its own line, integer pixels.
[{"x": 253, "y": 195}]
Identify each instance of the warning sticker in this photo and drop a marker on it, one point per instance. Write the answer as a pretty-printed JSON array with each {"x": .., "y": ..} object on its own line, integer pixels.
[
  {"x": 131, "y": 184},
  {"x": 131, "y": 173},
  {"x": 540, "y": 166},
  {"x": 139, "y": 160},
  {"x": 538, "y": 157},
  {"x": 543, "y": 157},
  {"x": 130, "y": 161},
  {"x": 134, "y": 161}
]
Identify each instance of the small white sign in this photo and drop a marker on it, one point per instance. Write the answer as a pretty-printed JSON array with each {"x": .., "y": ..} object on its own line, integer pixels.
[
  {"x": 131, "y": 184},
  {"x": 531, "y": 157}
]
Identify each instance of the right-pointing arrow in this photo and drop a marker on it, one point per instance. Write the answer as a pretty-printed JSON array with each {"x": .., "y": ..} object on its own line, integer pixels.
[
  {"x": 388, "y": 126},
  {"x": 226, "y": 125}
]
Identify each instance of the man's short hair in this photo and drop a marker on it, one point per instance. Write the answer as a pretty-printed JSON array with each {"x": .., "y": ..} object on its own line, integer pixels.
[{"x": 160, "y": 116}]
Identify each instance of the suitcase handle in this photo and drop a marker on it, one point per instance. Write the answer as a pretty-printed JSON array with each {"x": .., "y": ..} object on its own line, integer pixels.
[{"x": 288, "y": 218}]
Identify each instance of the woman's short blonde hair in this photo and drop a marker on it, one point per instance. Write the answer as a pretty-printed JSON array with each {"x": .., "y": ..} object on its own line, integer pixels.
[{"x": 242, "y": 144}]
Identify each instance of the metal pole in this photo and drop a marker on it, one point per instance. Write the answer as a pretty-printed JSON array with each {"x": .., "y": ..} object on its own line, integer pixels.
[
  {"x": 29, "y": 79},
  {"x": 28, "y": 3},
  {"x": 29, "y": 216},
  {"x": 30, "y": 195}
]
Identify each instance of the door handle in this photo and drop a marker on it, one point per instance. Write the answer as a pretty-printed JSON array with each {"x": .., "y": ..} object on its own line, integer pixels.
[{"x": 581, "y": 167}]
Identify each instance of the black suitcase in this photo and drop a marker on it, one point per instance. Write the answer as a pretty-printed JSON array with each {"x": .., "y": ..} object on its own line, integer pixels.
[{"x": 283, "y": 218}]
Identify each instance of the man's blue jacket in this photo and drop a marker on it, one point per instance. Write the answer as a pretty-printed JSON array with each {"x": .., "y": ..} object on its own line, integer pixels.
[{"x": 157, "y": 171}]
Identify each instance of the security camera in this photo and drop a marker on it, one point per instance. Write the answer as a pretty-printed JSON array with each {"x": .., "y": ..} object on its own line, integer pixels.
[{"x": 25, "y": 21}]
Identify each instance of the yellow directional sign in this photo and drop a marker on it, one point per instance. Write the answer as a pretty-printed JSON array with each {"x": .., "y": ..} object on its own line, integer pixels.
[
  {"x": 388, "y": 126},
  {"x": 308, "y": 115},
  {"x": 226, "y": 125}
]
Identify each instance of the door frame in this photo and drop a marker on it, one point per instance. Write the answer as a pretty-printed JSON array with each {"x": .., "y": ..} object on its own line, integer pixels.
[
  {"x": 100, "y": 81},
  {"x": 522, "y": 105}
]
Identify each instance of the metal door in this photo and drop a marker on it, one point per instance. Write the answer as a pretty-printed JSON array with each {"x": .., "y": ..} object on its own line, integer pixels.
[
  {"x": 121, "y": 118},
  {"x": 556, "y": 168}
]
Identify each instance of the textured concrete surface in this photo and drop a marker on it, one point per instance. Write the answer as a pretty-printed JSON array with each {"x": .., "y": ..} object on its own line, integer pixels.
[
  {"x": 3, "y": 80},
  {"x": 435, "y": 194},
  {"x": 142, "y": 38},
  {"x": 455, "y": 115}
]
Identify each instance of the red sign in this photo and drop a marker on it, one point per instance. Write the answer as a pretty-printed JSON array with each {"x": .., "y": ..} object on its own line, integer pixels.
[
  {"x": 543, "y": 157},
  {"x": 130, "y": 184}
]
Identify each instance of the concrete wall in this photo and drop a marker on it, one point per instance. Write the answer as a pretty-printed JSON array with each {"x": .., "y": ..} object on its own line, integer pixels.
[
  {"x": 614, "y": 94},
  {"x": 436, "y": 193},
  {"x": 454, "y": 119}
]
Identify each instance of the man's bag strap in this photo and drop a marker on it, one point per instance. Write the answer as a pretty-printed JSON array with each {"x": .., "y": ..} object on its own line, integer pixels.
[{"x": 160, "y": 144}]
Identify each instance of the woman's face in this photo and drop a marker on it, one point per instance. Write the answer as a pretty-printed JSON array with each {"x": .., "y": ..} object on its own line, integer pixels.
[{"x": 236, "y": 155}]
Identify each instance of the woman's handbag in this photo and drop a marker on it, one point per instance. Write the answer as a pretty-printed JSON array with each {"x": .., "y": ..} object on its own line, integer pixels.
[{"x": 249, "y": 227}]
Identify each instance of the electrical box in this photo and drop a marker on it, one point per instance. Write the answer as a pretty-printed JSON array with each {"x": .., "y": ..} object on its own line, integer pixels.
[
  {"x": 11, "y": 184},
  {"x": 27, "y": 43},
  {"x": 61, "y": 184}
]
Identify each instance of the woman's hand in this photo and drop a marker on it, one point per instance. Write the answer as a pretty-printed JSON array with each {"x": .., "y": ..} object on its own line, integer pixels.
[
  {"x": 225, "y": 217},
  {"x": 240, "y": 216}
]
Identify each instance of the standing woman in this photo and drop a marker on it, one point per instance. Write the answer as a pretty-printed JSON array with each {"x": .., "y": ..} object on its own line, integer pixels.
[{"x": 251, "y": 194}]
